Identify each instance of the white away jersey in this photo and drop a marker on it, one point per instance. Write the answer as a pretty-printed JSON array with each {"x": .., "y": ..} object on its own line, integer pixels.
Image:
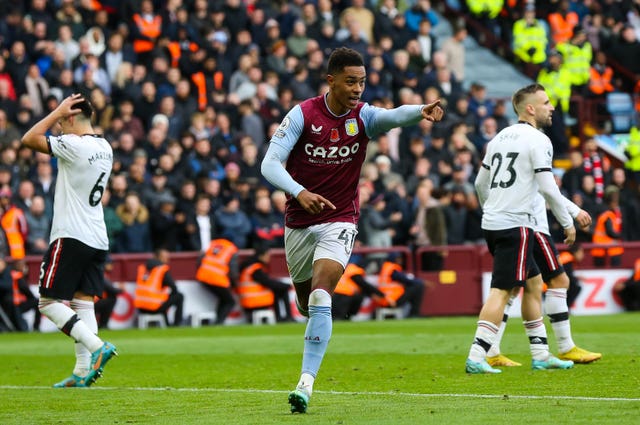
[
  {"x": 513, "y": 157},
  {"x": 84, "y": 167}
]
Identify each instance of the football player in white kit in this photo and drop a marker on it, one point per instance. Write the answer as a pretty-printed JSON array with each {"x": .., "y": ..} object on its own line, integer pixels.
[
  {"x": 545, "y": 254},
  {"x": 72, "y": 267},
  {"x": 517, "y": 166}
]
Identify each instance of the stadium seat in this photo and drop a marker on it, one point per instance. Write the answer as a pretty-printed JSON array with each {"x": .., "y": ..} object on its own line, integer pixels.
[
  {"x": 622, "y": 110},
  {"x": 383, "y": 313},
  {"x": 264, "y": 315},
  {"x": 201, "y": 317},
  {"x": 146, "y": 319}
]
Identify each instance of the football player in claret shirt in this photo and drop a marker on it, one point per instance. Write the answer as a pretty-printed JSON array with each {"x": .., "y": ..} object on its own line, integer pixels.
[{"x": 323, "y": 141}]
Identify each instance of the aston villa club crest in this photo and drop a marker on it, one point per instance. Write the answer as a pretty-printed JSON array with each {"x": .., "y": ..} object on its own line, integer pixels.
[
  {"x": 351, "y": 127},
  {"x": 334, "y": 136}
]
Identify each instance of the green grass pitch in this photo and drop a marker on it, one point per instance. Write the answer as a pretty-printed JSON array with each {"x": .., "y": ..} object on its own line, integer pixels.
[{"x": 391, "y": 372}]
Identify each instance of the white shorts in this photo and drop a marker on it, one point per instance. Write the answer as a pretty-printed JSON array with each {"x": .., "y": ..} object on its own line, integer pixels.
[{"x": 303, "y": 247}]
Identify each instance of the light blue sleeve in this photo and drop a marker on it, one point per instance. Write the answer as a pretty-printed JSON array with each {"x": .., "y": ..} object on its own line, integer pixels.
[
  {"x": 281, "y": 145},
  {"x": 380, "y": 120}
]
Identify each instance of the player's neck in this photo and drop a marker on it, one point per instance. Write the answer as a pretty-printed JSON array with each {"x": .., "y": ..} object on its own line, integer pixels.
[
  {"x": 334, "y": 107},
  {"x": 532, "y": 123},
  {"x": 82, "y": 129}
]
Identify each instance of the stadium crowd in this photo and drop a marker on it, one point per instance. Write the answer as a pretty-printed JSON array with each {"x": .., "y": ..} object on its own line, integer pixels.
[{"x": 189, "y": 91}]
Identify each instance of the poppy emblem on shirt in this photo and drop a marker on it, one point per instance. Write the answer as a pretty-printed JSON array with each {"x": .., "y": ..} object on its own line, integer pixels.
[
  {"x": 334, "y": 136},
  {"x": 351, "y": 127}
]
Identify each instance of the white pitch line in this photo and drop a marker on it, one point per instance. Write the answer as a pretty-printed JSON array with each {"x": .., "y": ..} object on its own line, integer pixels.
[{"x": 352, "y": 393}]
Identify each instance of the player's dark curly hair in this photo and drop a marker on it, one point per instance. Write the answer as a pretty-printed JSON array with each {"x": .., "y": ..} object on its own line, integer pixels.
[{"x": 341, "y": 58}]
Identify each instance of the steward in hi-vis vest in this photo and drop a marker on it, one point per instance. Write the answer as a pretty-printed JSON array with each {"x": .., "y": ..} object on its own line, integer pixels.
[
  {"x": 217, "y": 272},
  {"x": 351, "y": 290},
  {"x": 608, "y": 231},
  {"x": 156, "y": 290},
  {"x": 258, "y": 290}
]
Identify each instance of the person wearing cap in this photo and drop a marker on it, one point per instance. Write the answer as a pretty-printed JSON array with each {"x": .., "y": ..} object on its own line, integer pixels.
[
  {"x": 72, "y": 266},
  {"x": 607, "y": 233},
  {"x": 530, "y": 38},
  {"x": 577, "y": 54},
  {"x": 14, "y": 225},
  {"x": 323, "y": 141}
]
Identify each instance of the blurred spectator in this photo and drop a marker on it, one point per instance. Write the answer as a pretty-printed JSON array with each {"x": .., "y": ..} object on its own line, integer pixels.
[
  {"x": 37, "y": 89},
  {"x": 218, "y": 271},
  {"x": 625, "y": 48},
  {"x": 298, "y": 41},
  {"x": 267, "y": 226},
  {"x": 39, "y": 225},
  {"x": 562, "y": 22},
  {"x": 66, "y": 43},
  {"x": 156, "y": 290},
  {"x": 487, "y": 131},
  {"x": 572, "y": 178},
  {"x": 428, "y": 226},
  {"x": 14, "y": 225},
  {"x": 577, "y": 54},
  {"x": 112, "y": 221},
  {"x": 530, "y": 38},
  {"x": 146, "y": 27},
  {"x": 131, "y": 123},
  {"x": 608, "y": 231},
  {"x": 556, "y": 80},
  {"x": 597, "y": 165},
  {"x": 420, "y": 11},
  {"x": 199, "y": 228},
  {"x": 232, "y": 223},
  {"x": 105, "y": 304},
  {"x": 163, "y": 226},
  {"x": 351, "y": 291},
  {"x": 453, "y": 48},
  {"x": 8, "y": 133},
  {"x": 135, "y": 235}
]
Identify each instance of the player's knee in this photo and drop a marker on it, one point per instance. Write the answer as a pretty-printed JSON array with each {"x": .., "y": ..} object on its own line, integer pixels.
[
  {"x": 320, "y": 297},
  {"x": 44, "y": 305},
  {"x": 559, "y": 282}
]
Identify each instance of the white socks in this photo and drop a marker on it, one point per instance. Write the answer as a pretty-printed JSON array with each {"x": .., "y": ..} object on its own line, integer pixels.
[
  {"x": 73, "y": 322},
  {"x": 86, "y": 313},
  {"x": 486, "y": 336},
  {"x": 537, "y": 334},
  {"x": 555, "y": 305}
]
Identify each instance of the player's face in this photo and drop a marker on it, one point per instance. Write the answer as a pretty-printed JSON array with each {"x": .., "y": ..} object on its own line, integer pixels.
[
  {"x": 543, "y": 109},
  {"x": 347, "y": 87}
]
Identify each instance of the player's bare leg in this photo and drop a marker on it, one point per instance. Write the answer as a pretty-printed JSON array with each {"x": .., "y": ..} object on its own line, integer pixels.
[{"x": 326, "y": 274}]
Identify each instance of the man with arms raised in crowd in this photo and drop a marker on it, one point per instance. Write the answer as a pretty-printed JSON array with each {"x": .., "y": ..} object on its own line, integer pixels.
[
  {"x": 323, "y": 142},
  {"x": 72, "y": 267}
]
